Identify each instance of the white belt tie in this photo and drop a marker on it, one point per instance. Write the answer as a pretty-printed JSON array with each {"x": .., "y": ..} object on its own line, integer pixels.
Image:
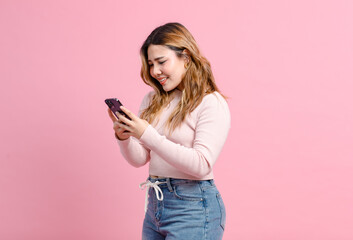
[{"x": 157, "y": 189}]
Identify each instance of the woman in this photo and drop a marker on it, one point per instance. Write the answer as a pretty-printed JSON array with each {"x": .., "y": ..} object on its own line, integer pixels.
[{"x": 182, "y": 126}]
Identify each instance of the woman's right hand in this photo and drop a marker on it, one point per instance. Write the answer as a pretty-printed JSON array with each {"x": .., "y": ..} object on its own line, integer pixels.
[{"x": 119, "y": 132}]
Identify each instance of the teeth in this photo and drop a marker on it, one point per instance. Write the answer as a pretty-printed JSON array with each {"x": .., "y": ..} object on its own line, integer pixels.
[{"x": 163, "y": 79}]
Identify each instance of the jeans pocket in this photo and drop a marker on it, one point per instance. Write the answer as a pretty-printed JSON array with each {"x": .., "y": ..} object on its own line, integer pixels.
[
  {"x": 188, "y": 192},
  {"x": 222, "y": 210}
]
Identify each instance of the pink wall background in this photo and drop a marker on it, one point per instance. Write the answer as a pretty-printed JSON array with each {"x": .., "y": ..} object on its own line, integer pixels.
[{"x": 286, "y": 171}]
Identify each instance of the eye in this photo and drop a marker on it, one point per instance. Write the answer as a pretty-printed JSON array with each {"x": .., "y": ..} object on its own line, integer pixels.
[{"x": 162, "y": 62}]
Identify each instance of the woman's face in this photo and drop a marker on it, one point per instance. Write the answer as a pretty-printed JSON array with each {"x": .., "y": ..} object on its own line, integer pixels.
[{"x": 166, "y": 67}]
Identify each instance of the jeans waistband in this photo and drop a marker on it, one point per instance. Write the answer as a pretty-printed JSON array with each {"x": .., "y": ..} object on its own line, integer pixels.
[
  {"x": 170, "y": 182},
  {"x": 158, "y": 183}
]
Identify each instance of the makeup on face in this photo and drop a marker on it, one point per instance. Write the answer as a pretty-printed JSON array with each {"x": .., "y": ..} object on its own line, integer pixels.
[{"x": 165, "y": 66}]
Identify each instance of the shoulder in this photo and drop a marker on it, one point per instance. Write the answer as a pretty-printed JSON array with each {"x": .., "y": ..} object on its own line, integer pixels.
[
  {"x": 214, "y": 99},
  {"x": 214, "y": 103},
  {"x": 213, "y": 110}
]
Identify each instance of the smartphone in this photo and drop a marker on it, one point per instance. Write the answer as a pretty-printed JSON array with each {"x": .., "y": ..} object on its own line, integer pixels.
[{"x": 114, "y": 105}]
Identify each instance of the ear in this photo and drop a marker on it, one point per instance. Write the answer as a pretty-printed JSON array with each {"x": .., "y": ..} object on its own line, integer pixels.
[{"x": 186, "y": 55}]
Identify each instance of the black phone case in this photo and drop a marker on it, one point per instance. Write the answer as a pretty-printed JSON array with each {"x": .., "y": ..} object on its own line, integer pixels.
[{"x": 114, "y": 105}]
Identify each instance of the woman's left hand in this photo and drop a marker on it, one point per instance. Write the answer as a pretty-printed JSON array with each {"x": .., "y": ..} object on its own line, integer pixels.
[{"x": 134, "y": 127}]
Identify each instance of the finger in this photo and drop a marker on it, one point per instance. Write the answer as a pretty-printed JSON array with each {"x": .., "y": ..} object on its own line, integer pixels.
[
  {"x": 121, "y": 134},
  {"x": 120, "y": 131},
  {"x": 126, "y": 134},
  {"x": 118, "y": 126},
  {"x": 112, "y": 116},
  {"x": 128, "y": 112},
  {"x": 123, "y": 119}
]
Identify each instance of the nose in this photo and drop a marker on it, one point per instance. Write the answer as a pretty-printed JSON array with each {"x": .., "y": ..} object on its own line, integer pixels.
[{"x": 155, "y": 71}]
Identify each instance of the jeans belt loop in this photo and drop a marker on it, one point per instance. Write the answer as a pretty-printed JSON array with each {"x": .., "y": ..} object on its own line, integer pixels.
[{"x": 169, "y": 185}]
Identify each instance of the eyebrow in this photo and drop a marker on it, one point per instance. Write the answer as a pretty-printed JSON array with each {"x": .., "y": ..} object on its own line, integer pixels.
[{"x": 156, "y": 59}]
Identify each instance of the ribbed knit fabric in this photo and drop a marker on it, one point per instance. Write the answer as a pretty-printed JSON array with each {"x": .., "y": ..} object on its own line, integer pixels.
[{"x": 191, "y": 150}]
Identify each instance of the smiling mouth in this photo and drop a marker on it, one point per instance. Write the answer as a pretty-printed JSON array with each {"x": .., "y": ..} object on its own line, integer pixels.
[{"x": 163, "y": 80}]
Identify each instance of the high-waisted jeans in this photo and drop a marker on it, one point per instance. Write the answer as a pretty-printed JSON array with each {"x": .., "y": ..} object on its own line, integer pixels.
[{"x": 181, "y": 209}]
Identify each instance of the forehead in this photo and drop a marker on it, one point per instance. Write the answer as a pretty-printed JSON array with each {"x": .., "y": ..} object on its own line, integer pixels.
[{"x": 155, "y": 51}]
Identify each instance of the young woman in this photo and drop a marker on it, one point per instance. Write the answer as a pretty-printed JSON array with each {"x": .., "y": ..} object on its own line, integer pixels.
[{"x": 180, "y": 131}]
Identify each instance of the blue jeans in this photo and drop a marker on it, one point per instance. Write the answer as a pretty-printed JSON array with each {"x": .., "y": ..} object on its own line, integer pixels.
[{"x": 190, "y": 210}]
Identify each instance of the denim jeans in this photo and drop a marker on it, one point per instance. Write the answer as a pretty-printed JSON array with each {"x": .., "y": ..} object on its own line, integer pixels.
[{"x": 187, "y": 210}]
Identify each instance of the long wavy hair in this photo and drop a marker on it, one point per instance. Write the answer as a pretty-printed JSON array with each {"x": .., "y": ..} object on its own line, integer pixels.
[{"x": 198, "y": 79}]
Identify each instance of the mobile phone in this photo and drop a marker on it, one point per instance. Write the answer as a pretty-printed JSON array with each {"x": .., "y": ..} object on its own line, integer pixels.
[{"x": 114, "y": 104}]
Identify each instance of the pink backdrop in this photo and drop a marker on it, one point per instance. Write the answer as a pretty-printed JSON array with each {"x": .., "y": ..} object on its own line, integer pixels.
[{"x": 286, "y": 171}]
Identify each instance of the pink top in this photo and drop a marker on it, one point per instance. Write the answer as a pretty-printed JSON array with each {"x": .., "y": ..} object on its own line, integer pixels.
[{"x": 191, "y": 150}]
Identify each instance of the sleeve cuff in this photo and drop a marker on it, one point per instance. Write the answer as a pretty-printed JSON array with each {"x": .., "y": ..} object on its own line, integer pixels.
[{"x": 123, "y": 142}]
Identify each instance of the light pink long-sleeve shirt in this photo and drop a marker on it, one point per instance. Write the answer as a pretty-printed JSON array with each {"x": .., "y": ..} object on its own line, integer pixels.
[{"x": 191, "y": 150}]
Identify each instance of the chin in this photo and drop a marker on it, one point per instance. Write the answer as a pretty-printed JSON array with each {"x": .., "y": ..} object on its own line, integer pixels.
[{"x": 168, "y": 88}]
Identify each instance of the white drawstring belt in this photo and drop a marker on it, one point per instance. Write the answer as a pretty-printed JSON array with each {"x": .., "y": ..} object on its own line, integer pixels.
[{"x": 157, "y": 189}]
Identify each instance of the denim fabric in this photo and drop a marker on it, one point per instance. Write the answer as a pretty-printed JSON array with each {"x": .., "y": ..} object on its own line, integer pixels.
[{"x": 190, "y": 210}]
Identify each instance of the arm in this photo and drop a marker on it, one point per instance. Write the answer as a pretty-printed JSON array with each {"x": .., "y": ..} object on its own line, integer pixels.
[
  {"x": 134, "y": 153},
  {"x": 212, "y": 128},
  {"x": 132, "y": 150}
]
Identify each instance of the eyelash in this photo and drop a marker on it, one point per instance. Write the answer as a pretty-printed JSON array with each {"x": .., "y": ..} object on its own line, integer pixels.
[{"x": 161, "y": 63}]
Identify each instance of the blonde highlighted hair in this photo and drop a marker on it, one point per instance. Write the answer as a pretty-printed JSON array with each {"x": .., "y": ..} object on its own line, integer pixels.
[{"x": 198, "y": 80}]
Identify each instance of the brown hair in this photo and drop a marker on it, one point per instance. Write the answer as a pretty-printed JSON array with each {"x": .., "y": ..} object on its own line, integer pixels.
[{"x": 198, "y": 80}]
